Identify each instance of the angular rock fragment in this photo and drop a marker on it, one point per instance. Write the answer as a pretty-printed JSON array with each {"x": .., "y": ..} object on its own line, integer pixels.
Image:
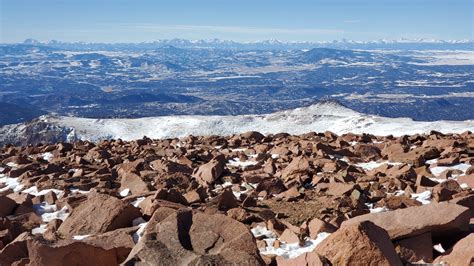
[
  {"x": 208, "y": 173},
  {"x": 196, "y": 238},
  {"x": 438, "y": 218},
  {"x": 99, "y": 213},
  {"x": 461, "y": 254},
  {"x": 359, "y": 244}
]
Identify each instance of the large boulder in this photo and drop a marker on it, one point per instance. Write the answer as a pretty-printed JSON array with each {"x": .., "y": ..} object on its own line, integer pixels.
[
  {"x": 99, "y": 213},
  {"x": 438, "y": 218},
  {"x": 187, "y": 238},
  {"x": 298, "y": 166},
  {"x": 120, "y": 240},
  {"x": 67, "y": 252},
  {"x": 135, "y": 183},
  {"x": 252, "y": 136},
  {"x": 445, "y": 190},
  {"x": 359, "y": 244},
  {"x": 461, "y": 254},
  {"x": 15, "y": 250},
  {"x": 208, "y": 173}
]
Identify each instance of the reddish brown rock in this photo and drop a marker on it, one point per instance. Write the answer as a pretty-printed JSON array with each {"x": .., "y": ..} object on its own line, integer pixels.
[
  {"x": 170, "y": 167},
  {"x": 367, "y": 151},
  {"x": 133, "y": 182},
  {"x": 423, "y": 181},
  {"x": 305, "y": 259},
  {"x": 445, "y": 190},
  {"x": 69, "y": 253},
  {"x": 397, "y": 202},
  {"x": 466, "y": 179},
  {"x": 51, "y": 230},
  {"x": 461, "y": 254},
  {"x": 208, "y": 173},
  {"x": 448, "y": 161},
  {"x": 298, "y": 166},
  {"x": 187, "y": 238},
  {"x": 16, "y": 250},
  {"x": 131, "y": 167},
  {"x": 252, "y": 136},
  {"x": 271, "y": 186},
  {"x": 317, "y": 226},
  {"x": 120, "y": 240},
  {"x": 226, "y": 200},
  {"x": 99, "y": 213},
  {"x": 289, "y": 236},
  {"x": 415, "y": 249},
  {"x": 193, "y": 197},
  {"x": 240, "y": 215},
  {"x": 7, "y": 206},
  {"x": 359, "y": 244},
  {"x": 449, "y": 173},
  {"x": 339, "y": 189},
  {"x": 402, "y": 172},
  {"x": 24, "y": 202},
  {"x": 290, "y": 194},
  {"x": 438, "y": 218}
]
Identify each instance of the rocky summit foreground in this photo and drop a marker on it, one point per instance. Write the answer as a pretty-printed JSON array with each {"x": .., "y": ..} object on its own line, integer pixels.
[{"x": 248, "y": 199}]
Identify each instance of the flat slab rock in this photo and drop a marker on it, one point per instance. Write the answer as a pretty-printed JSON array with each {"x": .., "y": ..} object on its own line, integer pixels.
[
  {"x": 437, "y": 218},
  {"x": 187, "y": 238},
  {"x": 99, "y": 213}
]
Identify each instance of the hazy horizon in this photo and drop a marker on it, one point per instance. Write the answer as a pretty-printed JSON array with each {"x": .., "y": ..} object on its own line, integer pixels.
[{"x": 123, "y": 21}]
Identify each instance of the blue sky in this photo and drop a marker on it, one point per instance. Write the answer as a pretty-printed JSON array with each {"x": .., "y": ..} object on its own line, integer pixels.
[{"x": 243, "y": 20}]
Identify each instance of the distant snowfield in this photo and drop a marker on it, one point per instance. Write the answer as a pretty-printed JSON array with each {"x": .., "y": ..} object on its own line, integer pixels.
[
  {"x": 319, "y": 118},
  {"x": 453, "y": 58}
]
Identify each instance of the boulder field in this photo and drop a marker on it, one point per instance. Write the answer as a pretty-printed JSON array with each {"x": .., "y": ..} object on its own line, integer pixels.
[{"x": 248, "y": 199}]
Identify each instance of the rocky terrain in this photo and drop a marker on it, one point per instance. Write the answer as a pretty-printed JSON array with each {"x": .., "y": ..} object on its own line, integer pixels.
[{"x": 245, "y": 199}]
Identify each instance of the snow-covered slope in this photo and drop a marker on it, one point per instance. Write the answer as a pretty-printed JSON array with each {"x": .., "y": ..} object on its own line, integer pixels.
[{"x": 319, "y": 117}]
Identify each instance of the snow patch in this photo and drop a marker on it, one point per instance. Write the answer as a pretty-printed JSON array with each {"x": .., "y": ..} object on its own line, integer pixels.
[
  {"x": 437, "y": 170},
  {"x": 47, "y": 156},
  {"x": 125, "y": 192},
  {"x": 236, "y": 162},
  {"x": 423, "y": 197},
  {"x": 286, "y": 250},
  {"x": 376, "y": 209},
  {"x": 141, "y": 228},
  {"x": 439, "y": 248},
  {"x": 80, "y": 237},
  {"x": 34, "y": 191},
  {"x": 10, "y": 183},
  {"x": 373, "y": 165},
  {"x": 137, "y": 201},
  {"x": 39, "y": 230},
  {"x": 76, "y": 190}
]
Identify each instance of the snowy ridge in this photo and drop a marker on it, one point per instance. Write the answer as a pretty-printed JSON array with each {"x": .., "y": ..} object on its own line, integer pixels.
[{"x": 318, "y": 117}]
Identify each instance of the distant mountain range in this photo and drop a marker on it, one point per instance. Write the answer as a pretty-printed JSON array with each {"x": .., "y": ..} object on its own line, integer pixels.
[
  {"x": 166, "y": 78},
  {"x": 405, "y": 44}
]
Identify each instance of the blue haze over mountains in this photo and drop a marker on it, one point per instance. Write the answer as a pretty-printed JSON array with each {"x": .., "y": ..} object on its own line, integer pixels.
[{"x": 214, "y": 77}]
